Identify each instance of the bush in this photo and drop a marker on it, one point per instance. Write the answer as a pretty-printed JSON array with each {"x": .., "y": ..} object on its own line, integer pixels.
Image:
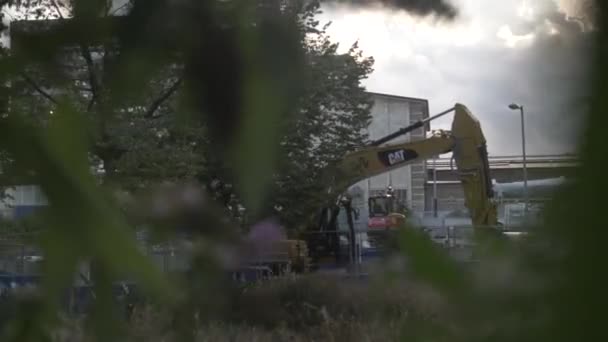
[
  {"x": 315, "y": 300},
  {"x": 299, "y": 308}
]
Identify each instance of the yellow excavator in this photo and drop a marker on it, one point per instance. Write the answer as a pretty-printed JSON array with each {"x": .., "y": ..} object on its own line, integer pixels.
[{"x": 465, "y": 141}]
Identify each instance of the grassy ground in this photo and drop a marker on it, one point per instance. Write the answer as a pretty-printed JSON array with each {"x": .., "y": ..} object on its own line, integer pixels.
[{"x": 309, "y": 308}]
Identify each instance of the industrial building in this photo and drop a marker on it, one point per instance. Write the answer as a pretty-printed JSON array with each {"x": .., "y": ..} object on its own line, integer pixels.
[
  {"x": 443, "y": 188},
  {"x": 389, "y": 114}
]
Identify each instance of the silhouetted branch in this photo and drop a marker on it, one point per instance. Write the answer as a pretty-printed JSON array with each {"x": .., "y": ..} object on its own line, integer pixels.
[
  {"x": 119, "y": 8},
  {"x": 36, "y": 87},
  {"x": 159, "y": 101},
  {"x": 57, "y": 9},
  {"x": 86, "y": 54}
]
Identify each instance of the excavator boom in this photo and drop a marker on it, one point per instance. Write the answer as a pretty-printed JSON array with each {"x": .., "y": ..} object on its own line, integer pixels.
[{"x": 372, "y": 161}]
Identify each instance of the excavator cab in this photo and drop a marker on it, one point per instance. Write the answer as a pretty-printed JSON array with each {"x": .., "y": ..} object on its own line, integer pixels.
[
  {"x": 380, "y": 206},
  {"x": 384, "y": 212}
]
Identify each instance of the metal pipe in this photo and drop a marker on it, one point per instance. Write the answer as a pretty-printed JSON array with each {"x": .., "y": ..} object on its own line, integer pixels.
[
  {"x": 434, "y": 166},
  {"x": 515, "y": 106},
  {"x": 409, "y": 128},
  {"x": 525, "y": 169},
  {"x": 351, "y": 233},
  {"x": 22, "y": 263}
]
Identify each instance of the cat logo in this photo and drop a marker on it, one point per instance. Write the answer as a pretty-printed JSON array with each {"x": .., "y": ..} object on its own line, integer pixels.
[{"x": 396, "y": 157}]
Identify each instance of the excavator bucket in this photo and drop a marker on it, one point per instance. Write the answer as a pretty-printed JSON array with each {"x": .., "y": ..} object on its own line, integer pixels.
[{"x": 471, "y": 157}]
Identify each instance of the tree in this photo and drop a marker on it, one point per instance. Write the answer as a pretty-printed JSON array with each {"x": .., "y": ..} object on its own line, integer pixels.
[
  {"x": 137, "y": 137},
  {"x": 333, "y": 118}
]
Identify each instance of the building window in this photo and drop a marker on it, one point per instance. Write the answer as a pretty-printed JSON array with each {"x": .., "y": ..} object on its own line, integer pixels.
[
  {"x": 39, "y": 198},
  {"x": 27, "y": 195}
]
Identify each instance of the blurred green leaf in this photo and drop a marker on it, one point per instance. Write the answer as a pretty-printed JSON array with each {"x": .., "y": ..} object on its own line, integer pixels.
[
  {"x": 431, "y": 263},
  {"x": 95, "y": 229}
]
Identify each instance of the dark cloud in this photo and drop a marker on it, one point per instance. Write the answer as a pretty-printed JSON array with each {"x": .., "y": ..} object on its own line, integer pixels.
[
  {"x": 547, "y": 73},
  {"x": 440, "y": 8},
  {"x": 582, "y": 11}
]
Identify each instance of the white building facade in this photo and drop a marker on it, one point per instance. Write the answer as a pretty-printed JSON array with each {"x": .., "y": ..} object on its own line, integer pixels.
[
  {"x": 21, "y": 200},
  {"x": 389, "y": 114}
]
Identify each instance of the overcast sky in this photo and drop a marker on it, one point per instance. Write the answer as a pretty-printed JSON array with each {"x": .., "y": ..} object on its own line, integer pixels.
[{"x": 494, "y": 53}]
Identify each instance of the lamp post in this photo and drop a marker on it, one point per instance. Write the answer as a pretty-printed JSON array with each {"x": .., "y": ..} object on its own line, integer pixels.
[
  {"x": 435, "y": 186},
  {"x": 514, "y": 106}
]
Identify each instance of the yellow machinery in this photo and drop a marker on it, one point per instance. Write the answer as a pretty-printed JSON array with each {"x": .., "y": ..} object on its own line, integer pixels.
[{"x": 466, "y": 142}]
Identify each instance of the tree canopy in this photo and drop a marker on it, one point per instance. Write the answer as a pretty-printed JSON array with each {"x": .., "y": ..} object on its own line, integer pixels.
[{"x": 146, "y": 128}]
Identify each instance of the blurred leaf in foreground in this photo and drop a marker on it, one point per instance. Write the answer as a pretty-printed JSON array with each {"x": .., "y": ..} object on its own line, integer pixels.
[{"x": 81, "y": 224}]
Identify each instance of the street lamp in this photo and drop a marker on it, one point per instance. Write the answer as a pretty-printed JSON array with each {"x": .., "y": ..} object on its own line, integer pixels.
[{"x": 514, "y": 106}]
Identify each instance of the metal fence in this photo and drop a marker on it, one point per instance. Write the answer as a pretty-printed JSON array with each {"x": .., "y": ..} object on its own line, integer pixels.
[
  {"x": 371, "y": 246},
  {"x": 17, "y": 257},
  {"x": 169, "y": 257},
  {"x": 176, "y": 256}
]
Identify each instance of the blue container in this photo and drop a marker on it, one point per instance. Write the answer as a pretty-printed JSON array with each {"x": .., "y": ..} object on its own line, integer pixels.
[{"x": 21, "y": 211}]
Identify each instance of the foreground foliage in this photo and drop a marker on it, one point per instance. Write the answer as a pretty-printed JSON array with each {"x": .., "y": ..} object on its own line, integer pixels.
[{"x": 551, "y": 289}]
